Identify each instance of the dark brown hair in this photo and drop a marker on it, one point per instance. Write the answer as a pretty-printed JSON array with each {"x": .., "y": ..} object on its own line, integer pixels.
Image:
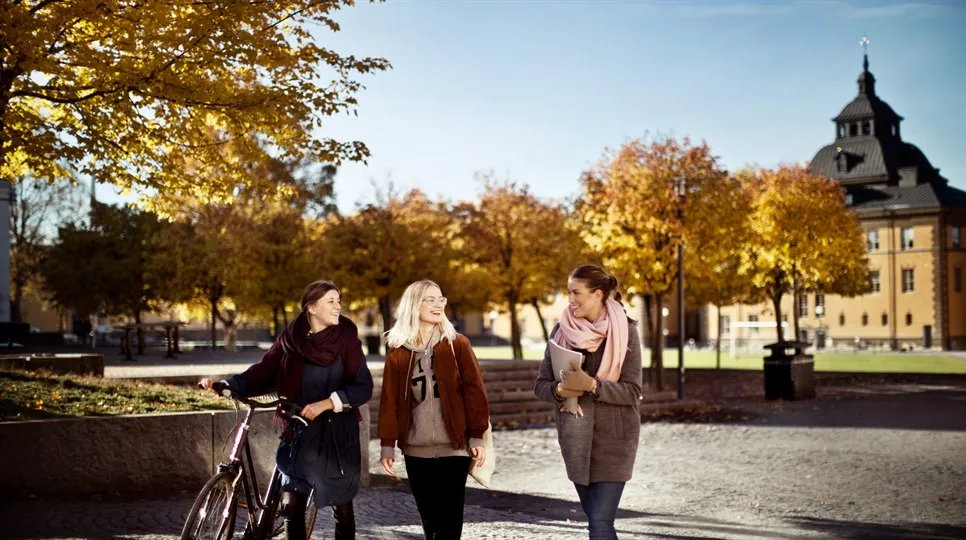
[
  {"x": 597, "y": 278},
  {"x": 316, "y": 290}
]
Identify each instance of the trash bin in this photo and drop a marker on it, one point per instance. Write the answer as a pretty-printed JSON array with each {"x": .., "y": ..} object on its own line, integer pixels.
[{"x": 789, "y": 372}]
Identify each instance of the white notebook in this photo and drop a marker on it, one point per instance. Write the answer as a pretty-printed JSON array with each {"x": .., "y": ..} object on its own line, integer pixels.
[{"x": 560, "y": 360}]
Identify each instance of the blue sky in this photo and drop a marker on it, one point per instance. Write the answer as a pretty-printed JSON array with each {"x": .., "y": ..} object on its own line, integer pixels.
[{"x": 536, "y": 90}]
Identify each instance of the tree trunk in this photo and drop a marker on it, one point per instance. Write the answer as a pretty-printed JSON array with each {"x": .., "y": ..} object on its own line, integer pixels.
[
  {"x": 231, "y": 335},
  {"x": 657, "y": 344},
  {"x": 777, "y": 304},
  {"x": 795, "y": 302},
  {"x": 274, "y": 321},
  {"x": 717, "y": 342},
  {"x": 214, "y": 322},
  {"x": 140, "y": 332},
  {"x": 16, "y": 301},
  {"x": 514, "y": 327},
  {"x": 543, "y": 323},
  {"x": 385, "y": 311},
  {"x": 284, "y": 317}
]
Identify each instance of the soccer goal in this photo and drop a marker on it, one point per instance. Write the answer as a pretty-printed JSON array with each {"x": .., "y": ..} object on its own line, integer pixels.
[{"x": 750, "y": 337}]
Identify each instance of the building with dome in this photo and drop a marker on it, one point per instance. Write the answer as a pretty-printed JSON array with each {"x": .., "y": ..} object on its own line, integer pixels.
[{"x": 914, "y": 223}]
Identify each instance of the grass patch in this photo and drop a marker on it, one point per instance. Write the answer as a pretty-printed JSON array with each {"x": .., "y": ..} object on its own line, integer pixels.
[
  {"x": 863, "y": 362},
  {"x": 37, "y": 395}
]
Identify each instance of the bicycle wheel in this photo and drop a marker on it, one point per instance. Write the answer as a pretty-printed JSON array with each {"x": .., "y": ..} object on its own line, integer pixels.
[{"x": 212, "y": 516}]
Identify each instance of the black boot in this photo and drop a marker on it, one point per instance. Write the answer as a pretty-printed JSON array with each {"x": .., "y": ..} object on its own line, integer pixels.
[
  {"x": 292, "y": 510},
  {"x": 345, "y": 521}
]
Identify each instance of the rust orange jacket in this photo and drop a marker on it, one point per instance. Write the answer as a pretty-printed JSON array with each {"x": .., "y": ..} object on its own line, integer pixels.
[{"x": 461, "y": 391}]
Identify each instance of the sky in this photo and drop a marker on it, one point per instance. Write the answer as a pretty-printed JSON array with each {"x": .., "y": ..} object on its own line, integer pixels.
[{"x": 535, "y": 91}]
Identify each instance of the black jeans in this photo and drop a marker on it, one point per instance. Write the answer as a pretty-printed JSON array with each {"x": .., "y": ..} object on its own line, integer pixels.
[
  {"x": 439, "y": 487},
  {"x": 600, "y": 500},
  {"x": 292, "y": 510}
]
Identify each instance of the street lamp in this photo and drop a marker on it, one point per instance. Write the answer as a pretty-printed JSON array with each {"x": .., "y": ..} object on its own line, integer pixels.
[{"x": 681, "y": 194}]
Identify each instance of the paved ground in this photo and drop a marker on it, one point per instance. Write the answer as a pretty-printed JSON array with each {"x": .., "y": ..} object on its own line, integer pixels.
[{"x": 880, "y": 462}]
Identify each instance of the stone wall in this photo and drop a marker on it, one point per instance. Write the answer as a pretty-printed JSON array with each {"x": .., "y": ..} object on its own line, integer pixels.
[{"x": 150, "y": 453}]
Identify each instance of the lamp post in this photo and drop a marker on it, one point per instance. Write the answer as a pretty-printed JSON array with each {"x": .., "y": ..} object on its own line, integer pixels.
[{"x": 681, "y": 333}]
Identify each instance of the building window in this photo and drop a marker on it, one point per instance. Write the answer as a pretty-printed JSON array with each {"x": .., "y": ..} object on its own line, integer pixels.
[
  {"x": 866, "y": 128},
  {"x": 803, "y": 305},
  {"x": 908, "y": 319},
  {"x": 908, "y": 280},
  {"x": 865, "y": 319},
  {"x": 819, "y": 303},
  {"x": 872, "y": 240},
  {"x": 958, "y": 279},
  {"x": 725, "y": 323},
  {"x": 853, "y": 129},
  {"x": 907, "y": 238},
  {"x": 841, "y": 319},
  {"x": 874, "y": 278},
  {"x": 885, "y": 319},
  {"x": 955, "y": 237},
  {"x": 841, "y": 130},
  {"x": 894, "y": 132},
  {"x": 752, "y": 318},
  {"x": 848, "y": 199}
]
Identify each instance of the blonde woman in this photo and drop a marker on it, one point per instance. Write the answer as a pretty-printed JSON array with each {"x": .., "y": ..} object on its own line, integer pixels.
[{"x": 433, "y": 407}]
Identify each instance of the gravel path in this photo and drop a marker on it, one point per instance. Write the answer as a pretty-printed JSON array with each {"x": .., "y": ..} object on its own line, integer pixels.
[{"x": 879, "y": 463}]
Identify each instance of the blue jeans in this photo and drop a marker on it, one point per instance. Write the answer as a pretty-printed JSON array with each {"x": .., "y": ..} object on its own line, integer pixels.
[{"x": 600, "y": 500}]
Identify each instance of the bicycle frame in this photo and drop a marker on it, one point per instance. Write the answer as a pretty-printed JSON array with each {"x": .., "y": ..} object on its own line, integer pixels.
[{"x": 261, "y": 509}]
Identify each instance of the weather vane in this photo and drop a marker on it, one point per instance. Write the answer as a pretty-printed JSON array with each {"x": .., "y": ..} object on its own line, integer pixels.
[{"x": 865, "y": 42}]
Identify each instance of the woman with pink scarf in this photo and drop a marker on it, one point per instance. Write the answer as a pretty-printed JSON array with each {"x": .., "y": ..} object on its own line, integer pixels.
[{"x": 599, "y": 443}]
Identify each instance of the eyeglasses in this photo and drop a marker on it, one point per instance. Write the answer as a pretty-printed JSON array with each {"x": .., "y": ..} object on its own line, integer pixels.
[{"x": 431, "y": 300}]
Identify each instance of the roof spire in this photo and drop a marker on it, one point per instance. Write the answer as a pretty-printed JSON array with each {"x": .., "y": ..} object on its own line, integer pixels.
[
  {"x": 866, "y": 80},
  {"x": 865, "y": 42}
]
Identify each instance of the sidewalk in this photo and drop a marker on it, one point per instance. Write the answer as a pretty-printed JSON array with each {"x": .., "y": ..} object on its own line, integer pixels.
[{"x": 883, "y": 463}]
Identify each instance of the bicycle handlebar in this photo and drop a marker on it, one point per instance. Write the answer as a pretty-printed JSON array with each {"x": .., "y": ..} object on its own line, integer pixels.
[{"x": 287, "y": 408}]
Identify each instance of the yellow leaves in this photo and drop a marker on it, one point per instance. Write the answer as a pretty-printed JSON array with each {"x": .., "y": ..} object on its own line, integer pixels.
[
  {"x": 634, "y": 215},
  {"x": 130, "y": 90}
]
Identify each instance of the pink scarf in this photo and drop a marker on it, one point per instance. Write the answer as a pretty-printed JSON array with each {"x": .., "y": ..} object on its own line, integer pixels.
[{"x": 580, "y": 333}]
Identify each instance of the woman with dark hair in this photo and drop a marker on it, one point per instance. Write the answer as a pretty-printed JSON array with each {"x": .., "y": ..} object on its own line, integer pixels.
[
  {"x": 599, "y": 443},
  {"x": 317, "y": 362}
]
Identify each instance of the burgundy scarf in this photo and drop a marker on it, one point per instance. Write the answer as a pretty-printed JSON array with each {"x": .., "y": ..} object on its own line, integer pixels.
[{"x": 339, "y": 342}]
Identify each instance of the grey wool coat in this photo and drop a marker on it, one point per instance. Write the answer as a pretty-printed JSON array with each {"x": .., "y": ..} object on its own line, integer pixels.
[{"x": 601, "y": 445}]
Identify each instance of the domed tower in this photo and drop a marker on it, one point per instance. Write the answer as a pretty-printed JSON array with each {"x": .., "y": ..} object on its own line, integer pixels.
[
  {"x": 868, "y": 147},
  {"x": 914, "y": 223}
]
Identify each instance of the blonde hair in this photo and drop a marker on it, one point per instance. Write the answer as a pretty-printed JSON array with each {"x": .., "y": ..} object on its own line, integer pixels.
[{"x": 406, "y": 328}]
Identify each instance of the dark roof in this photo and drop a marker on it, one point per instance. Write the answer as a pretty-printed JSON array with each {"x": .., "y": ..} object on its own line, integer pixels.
[
  {"x": 871, "y": 157},
  {"x": 921, "y": 197},
  {"x": 864, "y": 106}
]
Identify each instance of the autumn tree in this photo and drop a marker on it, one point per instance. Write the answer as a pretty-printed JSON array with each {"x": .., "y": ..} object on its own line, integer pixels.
[
  {"x": 714, "y": 243},
  {"x": 804, "y": 239},
  {"x": 126, "y": 92},
  {"x": 376, "y": 252},
  {"x": 522, "y": 243},
  {"x": 37, "y": 209},
  {"x": 633, "y": 214}
]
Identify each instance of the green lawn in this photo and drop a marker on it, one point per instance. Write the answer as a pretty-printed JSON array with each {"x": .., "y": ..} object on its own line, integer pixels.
[
  {"x": 863, "y": 362},
  {"x": 35, "y": 395}
]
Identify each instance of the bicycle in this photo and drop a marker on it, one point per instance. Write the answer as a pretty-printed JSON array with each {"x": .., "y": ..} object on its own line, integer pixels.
[{"x": 212, "y": 516}]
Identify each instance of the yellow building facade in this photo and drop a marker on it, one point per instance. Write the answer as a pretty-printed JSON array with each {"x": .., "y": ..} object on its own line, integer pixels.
[{"x": 914, "y": 223}]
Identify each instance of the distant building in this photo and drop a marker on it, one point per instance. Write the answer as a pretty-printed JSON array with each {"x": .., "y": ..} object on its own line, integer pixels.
[{"x": 914, "y": 224}]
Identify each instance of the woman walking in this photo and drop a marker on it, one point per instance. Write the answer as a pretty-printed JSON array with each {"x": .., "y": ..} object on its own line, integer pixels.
[
  {"x": 318, "y": 361},
  {"x": 599, "y": 443},
  {"x": 433, "y": 407}
]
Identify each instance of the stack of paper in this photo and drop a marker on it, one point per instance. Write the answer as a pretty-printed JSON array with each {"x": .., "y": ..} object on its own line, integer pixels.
[{"x": 562, "y": 359}]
